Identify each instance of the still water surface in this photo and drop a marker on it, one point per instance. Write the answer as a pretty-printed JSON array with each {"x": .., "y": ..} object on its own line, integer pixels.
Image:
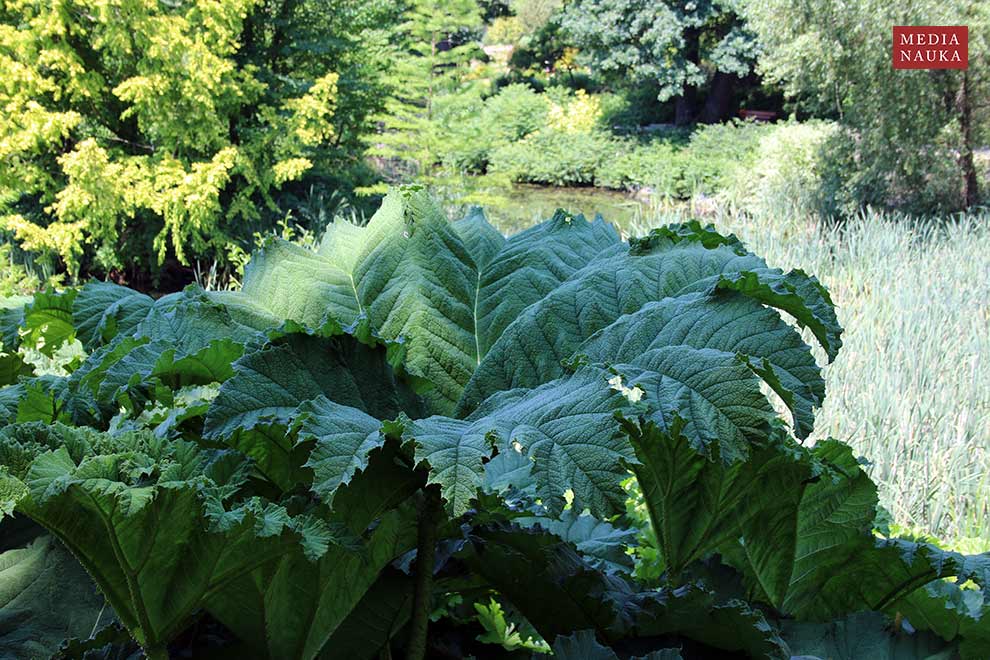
[{"x": 523, "y": 206}]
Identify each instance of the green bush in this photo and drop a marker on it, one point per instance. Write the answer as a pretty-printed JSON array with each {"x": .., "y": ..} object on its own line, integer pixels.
[
  {"x": 473, "y": 128},
  {"x": 786, "y": 173},
  {"x": 858, "y": 173},
  {"x": 555, "y": 157},
  {"x": 716, "y": 150},
  {"x": 655, "y": 164},
  {"x": 705, "y": 163}
]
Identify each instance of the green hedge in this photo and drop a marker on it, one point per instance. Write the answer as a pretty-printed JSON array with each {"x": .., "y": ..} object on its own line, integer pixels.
[{"x": 525, "y": 137}]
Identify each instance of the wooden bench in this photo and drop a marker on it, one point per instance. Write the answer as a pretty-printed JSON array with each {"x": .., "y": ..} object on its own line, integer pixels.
[{"x": 758, "y": 115}]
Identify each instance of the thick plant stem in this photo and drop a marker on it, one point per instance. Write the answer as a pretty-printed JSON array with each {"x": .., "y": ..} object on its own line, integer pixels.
[
  {"x": 156, "y": 653},
  {"x": 426, "y": 551}
]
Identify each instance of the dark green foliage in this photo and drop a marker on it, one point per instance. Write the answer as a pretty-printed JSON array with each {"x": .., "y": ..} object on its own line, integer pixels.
[{"x": 275, "y": 463}]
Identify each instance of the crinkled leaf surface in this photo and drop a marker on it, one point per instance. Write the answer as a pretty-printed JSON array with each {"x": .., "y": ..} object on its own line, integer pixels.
[
  {"x": 531, "y": 264},
  {"x": 810, "y": 550},
  {"x": 270, "y": 383},
  {"x": 531, "y": 348},
  {"x": 343, "y": 439},
  {"x": 114, "y": 501},
  {"x": 292, "y": 607},
  {"x": 45, "y": 597},
  {"x": 698, "y": 501},
  {"x": 601, "y": 544},
  {"x": 728, "y": 323},
  {"x": 288, "y": 281},
  {"x": 445, "y": 289},
  {"x": 567, "y": 428},
  {"x": 102, "y": 310}
]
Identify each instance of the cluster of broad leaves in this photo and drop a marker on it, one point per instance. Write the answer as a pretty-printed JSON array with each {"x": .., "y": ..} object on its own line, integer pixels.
[{"x": 262, "y": 459}]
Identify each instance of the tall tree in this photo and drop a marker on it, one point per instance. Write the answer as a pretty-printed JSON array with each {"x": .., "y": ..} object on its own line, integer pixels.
[
  {"x": 432, "y": 48},
  {"x": 139, "y": 131},
  {"x": 685, "y": 46},
  {"x": 909, "y": 137}
]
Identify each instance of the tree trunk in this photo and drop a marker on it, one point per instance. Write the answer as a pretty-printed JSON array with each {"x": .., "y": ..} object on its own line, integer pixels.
[
  {"x": 964, "y": 107},
  {"x": 685, "y": 106},
  {"x": 719, "y": 101}
]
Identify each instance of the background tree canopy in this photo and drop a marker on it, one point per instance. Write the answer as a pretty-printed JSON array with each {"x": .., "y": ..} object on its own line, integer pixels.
[
  {"x": 910, "y": 135},
  {"x": 139, "y": 132},
  {"x": 154, "y": 141},
  {"x": 683, "y": 46}
]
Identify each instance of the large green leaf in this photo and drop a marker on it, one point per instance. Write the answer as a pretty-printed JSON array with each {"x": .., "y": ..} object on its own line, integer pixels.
[
  {"x": 800, "y": 295},
  {"x": 45, "y": 597},
  {"x": 271, "y": 382},
  {"x": 480, "y": 238},
  {"x": 724, "y": 322},
  {"x": 698, "y": 501},
  {"x": 290, "y": 282},
  {"x": 529, "y": 265},
  {"x": 380, "y": 615},
  {"x": 115, "y": 500},
  {"x": 292, "y": 607},
  {"x": 957, "y": 615},
  {"x": 10, "y": 397},
  {"x": 102, "y": 310},
  {"x": 343, "y": 439},
  {"x": 810, "y": 551},
  {"x": 530, "y": 350},
  {"x": 568, "y": 429},
  {"x": 182, "y": 339},
  {"x": 602, "y": 544},
  {"x": 802, "y": 535},
  {"x": 419, "y": 283},
  {"x": 716, "y": 394},
  {"x": 455, "y": 452},
  {"x": 47, "y": 322}
]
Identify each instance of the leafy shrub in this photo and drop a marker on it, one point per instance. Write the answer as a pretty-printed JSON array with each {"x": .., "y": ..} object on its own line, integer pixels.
[
  {"x": 473, "y": 128},
  {"x": 572, "y": 150},
  {"x": 786, "y": 173},
  {"x": 628, "y": 108},
  {"x": 273, "y": 456},
  {"x": 573, "y": 113},
  {"x": 654, "y": 163},
  {"x": 716, "y": 151},
  {"x": 176, "y": 132},
  {"x": 505, "y": 30},
  {"x": 858, "y": 174},
  {"x": 555, "y": 157}
]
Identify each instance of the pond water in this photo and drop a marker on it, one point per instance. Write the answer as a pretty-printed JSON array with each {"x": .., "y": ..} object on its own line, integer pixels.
[{"x": 523, "y": 206}]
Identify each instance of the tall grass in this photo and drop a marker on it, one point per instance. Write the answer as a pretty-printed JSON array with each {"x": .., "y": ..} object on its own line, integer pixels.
[{"x": 910, "y": 391}]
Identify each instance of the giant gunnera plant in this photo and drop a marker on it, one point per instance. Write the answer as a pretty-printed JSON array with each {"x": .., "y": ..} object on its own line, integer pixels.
[{"x": 418, "y": 441}]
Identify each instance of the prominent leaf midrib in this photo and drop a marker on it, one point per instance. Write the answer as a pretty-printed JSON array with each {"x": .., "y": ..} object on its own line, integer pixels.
[
  {"x": 700, "y": 394},
  {"x": 477, "y": 333},
  {"x": 357, "y": 298}
]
